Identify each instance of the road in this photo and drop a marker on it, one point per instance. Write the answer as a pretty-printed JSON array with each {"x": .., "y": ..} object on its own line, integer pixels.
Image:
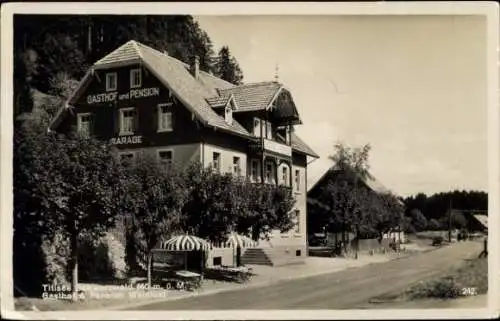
[{"x": 340, "y": 290}]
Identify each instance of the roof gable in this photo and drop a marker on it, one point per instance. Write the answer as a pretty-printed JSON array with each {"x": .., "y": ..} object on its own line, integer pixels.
[
  {"x": 127, "y": 53},
  {"x": 370, "y": 181},
  {"x": 251, "y": 97}
]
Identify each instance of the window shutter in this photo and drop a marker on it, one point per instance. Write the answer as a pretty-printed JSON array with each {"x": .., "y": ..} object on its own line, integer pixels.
[
  {"x": 92, "y": 126},
  {"x": 154, "y": 119},
  {"x": 116, "y": 121},
  {"x": 136, "y": 120}
]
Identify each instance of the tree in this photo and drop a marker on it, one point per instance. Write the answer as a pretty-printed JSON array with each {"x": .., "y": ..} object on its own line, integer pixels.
[
  {"x": 433, "y": 225},
  {"x": 268, "y": 208},
  {"x": 221, "y": 203},
  {"x": 342, "y": 193},
  {"x": 155, "y": 199},
  {"x": 418, "y": 220},
  {"x": 227, "y": 68},
  {"x": 214, "y": 202},
  {"x": 458, "y": 220},
  {"x": 67, "y": 185}
]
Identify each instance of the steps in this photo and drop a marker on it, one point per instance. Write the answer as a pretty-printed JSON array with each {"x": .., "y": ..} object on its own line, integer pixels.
[
  {"x": 278, "y": 256},
  {"x": 256, "y": 256}
]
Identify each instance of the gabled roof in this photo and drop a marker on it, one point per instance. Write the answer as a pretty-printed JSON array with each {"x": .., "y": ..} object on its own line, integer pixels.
[
  {"x": 256, "y": 96},
  {"x": 222, "y": 101},
  {"x": 198, "y": 95},
  {"x": 370, "y": 181},
  {"x": 483, "y": 219},
  {"x": 299, "y": 145}
]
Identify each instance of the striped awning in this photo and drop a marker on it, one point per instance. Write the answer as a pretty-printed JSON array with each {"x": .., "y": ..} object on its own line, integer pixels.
[
  {"x": 236, "y": 239},
  {"x": 185, "y": 243}
]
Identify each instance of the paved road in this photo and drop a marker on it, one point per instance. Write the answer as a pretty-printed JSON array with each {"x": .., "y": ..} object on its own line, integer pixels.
[{"x": 341, "y": 290}]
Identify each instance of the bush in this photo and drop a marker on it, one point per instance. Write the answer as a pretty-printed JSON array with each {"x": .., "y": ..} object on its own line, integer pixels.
[
  {"x": 445, "y": 288},
  {"x": 471, "y": 275},
  {"x": 101, "y": 259},
  {"x": 56, "y": 254}
]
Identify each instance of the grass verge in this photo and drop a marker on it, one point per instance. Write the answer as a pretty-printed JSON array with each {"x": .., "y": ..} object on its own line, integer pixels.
[{"x": 471, "y": 278}]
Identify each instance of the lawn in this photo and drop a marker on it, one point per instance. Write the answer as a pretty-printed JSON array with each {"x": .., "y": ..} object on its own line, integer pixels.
[{"x": 469, "y": 279}]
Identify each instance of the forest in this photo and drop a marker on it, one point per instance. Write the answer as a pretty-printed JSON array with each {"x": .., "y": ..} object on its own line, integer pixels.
[
  {"x": 53, "y": 52},
  {"x": 431, "y": 211}
]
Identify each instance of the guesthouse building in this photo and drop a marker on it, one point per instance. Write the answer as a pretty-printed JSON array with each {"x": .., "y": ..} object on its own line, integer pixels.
[{"x": 144, "y": 101}]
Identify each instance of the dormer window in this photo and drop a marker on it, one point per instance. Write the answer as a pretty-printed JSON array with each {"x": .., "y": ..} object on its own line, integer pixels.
[
  {"x": 269, "y": 130},
  {"x": 256, "y": 127},
  {"x": 111, "y": 81},
  {"x": 135, "y": 78},
  {"x": 229, "y": 115}
]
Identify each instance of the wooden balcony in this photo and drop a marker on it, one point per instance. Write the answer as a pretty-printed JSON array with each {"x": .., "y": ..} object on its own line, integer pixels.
[{"x": 273, "y": 147}]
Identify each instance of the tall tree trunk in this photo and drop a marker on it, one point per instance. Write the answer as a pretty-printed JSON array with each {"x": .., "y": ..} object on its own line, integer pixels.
[
  {"x": 74, "y": 267},
  {"x": 150, "y": 260}
]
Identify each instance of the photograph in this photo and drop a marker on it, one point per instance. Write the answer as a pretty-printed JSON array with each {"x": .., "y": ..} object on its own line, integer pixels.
[{"x": 182, "y": 161}]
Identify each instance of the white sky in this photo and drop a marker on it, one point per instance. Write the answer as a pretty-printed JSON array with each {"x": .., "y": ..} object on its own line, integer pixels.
[{"x": 414, "y": 87}]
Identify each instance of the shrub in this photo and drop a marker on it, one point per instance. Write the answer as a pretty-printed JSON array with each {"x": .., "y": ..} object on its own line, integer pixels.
[
  {"x": 101, "y": 259},
  {"x": 473, "y": 274},
  {"x": 56, "y": 256},
  {"x": 445, "y": 288}
]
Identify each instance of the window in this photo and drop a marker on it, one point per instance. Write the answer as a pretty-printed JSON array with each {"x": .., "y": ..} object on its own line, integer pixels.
[
  {"x": 229, "y": 115},
  {"x": 297, "y": 221},
  {"x": 285, "y": 175},
  {"x": 127, "y": 159},
  {"x": 255, "y": 175},
  {"x": 236, "y": 166},
  {"x": 135, "y": 78},
  {"x": 256, "y": 127},
  {"x": 128, "y": 121},
  {"x": 216, "y": 161},
  {"x": 165, "y": 118},
  {"x": 84, "y": 123},
  {"x": 165, "y": 158},
  {"x": 297, "y": 180},
  {"x": 111, "y": 81},
  {"x": 270, "y": 179},
  {"x": 217, "y": 261},
  {"x": 269, "y": 130}
]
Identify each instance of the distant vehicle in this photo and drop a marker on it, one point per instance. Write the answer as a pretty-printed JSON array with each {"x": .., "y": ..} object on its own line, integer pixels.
[
  {"x": 317, "y": 239},
  {"x": 437, "y": 241},
  {"x": 462, "y": 236}
]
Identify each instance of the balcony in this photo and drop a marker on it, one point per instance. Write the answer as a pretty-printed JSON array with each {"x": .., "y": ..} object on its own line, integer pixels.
[
  {"x": 273, "y": 147},
  {"x": 279, "y": 148}
]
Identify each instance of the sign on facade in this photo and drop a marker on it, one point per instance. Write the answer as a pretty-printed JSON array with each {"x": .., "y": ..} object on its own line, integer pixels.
[
  {"x": 126, "y": 140},
  {"x": 132, "y": 94}
]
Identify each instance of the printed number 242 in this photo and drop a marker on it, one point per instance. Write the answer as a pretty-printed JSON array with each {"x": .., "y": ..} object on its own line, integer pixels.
[{"x": 469, "y": 291}]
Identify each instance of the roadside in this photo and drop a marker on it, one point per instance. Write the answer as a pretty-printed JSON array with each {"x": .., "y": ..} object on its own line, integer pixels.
[
  {"x": 462, "y": 286},
  {"x": 347, "y": 289},
  {"x": 111, "y": 298},
  {"x": 471, "y": 302}
]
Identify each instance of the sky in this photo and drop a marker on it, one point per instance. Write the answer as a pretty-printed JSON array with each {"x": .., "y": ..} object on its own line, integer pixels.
[{"x": 413, "y": 87}]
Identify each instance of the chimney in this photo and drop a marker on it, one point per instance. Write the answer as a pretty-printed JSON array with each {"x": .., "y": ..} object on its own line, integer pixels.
[{"x": 195, "y": 67}]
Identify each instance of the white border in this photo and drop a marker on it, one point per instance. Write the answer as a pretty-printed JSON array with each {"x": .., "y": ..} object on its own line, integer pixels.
[{"x": 488, "y": 9}]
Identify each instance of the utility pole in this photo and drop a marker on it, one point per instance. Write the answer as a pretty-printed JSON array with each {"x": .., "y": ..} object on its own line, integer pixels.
[{"x": 449, "y": 221}]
